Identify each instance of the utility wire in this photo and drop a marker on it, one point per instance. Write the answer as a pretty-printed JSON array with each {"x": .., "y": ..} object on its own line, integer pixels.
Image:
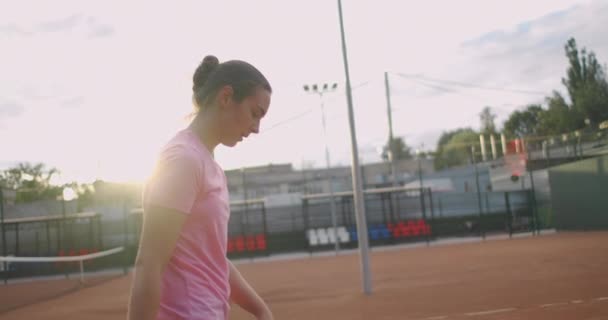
[
  {"x": 309, "y": 110},
  {"x": 467, "y": 85}
]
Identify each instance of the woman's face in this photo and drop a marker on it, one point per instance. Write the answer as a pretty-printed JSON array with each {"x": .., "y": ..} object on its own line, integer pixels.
[{"x": 240, "y": 119}]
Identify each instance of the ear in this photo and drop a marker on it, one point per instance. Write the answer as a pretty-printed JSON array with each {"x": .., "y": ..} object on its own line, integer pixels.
[{"x": 224, "y": 95}]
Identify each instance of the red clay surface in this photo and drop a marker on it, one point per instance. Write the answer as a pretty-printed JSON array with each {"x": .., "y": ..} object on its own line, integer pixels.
[{"x": 560, "y": 276}]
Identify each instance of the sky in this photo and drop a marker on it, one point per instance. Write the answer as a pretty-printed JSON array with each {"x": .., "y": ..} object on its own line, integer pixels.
[{"x": 95, "y": 88}]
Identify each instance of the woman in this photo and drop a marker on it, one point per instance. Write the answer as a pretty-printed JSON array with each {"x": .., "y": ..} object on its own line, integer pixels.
[{"x": 181, "y": 270}]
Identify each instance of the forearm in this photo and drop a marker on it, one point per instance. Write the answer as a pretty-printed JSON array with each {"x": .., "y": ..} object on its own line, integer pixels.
[
  {"x": 245, "y": 296},
  {"x": 145, "y": 293}
]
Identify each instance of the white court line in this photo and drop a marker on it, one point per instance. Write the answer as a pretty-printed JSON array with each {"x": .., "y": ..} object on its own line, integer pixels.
[
  {"x": 483, "y": 313},
  {"x": 437, "y": 318},
  {"x": 601, "y": 298},
  {"x": 576, "y": 301},
  {"x": 549, "y": 305}
]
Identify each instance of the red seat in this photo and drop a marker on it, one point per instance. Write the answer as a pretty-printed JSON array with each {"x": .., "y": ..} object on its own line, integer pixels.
[
  {"x": 404, "y": 229},
  {"x": 396, "y": 233},
  {"x": 230, "y": 247},
  {"x": 260, "y": 239},
  {"x": 250, "y": 243},
  {"x": 240, "y": 243},
  {"x": 414, "y": 229},
  {"x": 424, "y": 227}
]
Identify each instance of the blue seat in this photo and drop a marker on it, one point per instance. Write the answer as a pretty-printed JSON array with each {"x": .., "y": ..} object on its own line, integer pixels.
[
  {"x": 385, "y": 232},
  {"x": 374, "y": 233},
  {"x": 353, "y": 233}
]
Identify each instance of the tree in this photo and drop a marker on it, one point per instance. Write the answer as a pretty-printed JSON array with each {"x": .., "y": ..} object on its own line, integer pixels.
[
  {"x": 401, "y": 150},
  {"x": 559, "y": 117},
  {"x": 454, "y": 147},
  {"x": 32, "y": 181},
  {"x": 586, "y": 83},
  {"x": 524, "y": 123},
  {"x": 487, "y": 121}
]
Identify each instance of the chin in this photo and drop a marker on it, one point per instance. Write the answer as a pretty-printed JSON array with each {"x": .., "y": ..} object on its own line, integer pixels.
[{"x": 230, "y": 144}]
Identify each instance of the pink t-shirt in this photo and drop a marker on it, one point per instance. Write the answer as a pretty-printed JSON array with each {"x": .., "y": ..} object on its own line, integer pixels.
[{"x": 187, "y": 178}]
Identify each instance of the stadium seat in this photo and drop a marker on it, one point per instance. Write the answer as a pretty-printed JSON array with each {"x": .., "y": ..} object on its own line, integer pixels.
[
  {"x": 323, "y": 237},
  {"x": 230, "y": 247},
  {"x": 313, "y": 240},
  {"x": 353, "y": 233},
  {"x": 260, "y": 240},
  {"x": 374, "y": 233},
  {"x": 240, "y": 243},
  {"x": 250, "y": 242},
  {"x": 331, "y": 234},
  {"x": 404, "y": 229},
  {"x": 343, "y": 235},
  {"x": 385, "y": 233},
  {"x": 414, "y": 230},
  {"x": 423, "y": 227}
]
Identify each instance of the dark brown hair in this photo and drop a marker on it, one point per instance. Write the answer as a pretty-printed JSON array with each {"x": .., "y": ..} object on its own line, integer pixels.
[{"x": 211, "y": 76}]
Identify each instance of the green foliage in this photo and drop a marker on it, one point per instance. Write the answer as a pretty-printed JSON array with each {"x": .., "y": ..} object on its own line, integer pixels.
[
  {"x": 586, "y": 83},
  {"x": 401, "y": 150},
  {"x": 523, "y": 123},
  {"x": 32, "y": 182},
  {"x": 454, "y": 148},
  {"x": 587, "y": 87}
]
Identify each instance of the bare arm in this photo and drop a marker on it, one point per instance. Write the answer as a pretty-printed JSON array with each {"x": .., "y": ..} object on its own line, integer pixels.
[
  {"x": 246, "y": 297},
  {"x": 160, "y": 231}
]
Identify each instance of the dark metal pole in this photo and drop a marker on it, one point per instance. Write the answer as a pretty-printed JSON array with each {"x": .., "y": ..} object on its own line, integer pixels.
[
  {"x": 125, "y": 237},
  {"x": 16, "y": 239},
  {"x": 48, "y": 238},
  {"x": 534, "y": 205},
  {"x": 509, "y": 215},
  {"x": 481, "y": 228},
  {"x": 3, "y": 235}
]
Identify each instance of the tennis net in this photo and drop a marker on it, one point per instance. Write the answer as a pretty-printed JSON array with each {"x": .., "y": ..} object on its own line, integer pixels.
[{"x": 19, "y": 267}]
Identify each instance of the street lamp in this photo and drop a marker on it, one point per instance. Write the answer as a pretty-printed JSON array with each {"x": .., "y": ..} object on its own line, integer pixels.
[{"x": 321, "y": 90}]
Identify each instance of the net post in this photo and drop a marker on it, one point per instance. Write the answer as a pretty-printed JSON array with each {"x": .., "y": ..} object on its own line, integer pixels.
[{"x": 81, "y": 271}]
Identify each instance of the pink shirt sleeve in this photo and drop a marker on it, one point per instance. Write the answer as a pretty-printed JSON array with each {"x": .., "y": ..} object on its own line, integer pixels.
[{"x": 175, "y": 183}]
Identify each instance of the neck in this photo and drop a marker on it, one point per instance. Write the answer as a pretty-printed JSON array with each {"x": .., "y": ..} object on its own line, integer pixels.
[{"x": 204, "y": 129}]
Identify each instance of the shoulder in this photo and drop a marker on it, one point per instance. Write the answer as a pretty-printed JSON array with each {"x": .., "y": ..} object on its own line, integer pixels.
[{"x": 180, "y": 152}]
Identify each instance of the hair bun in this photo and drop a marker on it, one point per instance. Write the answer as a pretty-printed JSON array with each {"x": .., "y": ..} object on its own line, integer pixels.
[
  {"x": 210, "y": 62},
  {"x": 207, "y": 66}
]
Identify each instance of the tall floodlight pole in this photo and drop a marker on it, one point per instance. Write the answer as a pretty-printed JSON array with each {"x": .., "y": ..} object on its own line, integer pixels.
[
  {"x": 321, "y": 90},
  {"x": 356, "y": 173}
]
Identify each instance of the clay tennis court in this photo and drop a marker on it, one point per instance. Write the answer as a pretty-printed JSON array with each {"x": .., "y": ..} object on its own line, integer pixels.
[{"x": 555, "y": 276}]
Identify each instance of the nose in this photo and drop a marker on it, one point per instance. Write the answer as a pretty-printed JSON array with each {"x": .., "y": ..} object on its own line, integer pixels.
[{"x": 256, "y": 127}]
